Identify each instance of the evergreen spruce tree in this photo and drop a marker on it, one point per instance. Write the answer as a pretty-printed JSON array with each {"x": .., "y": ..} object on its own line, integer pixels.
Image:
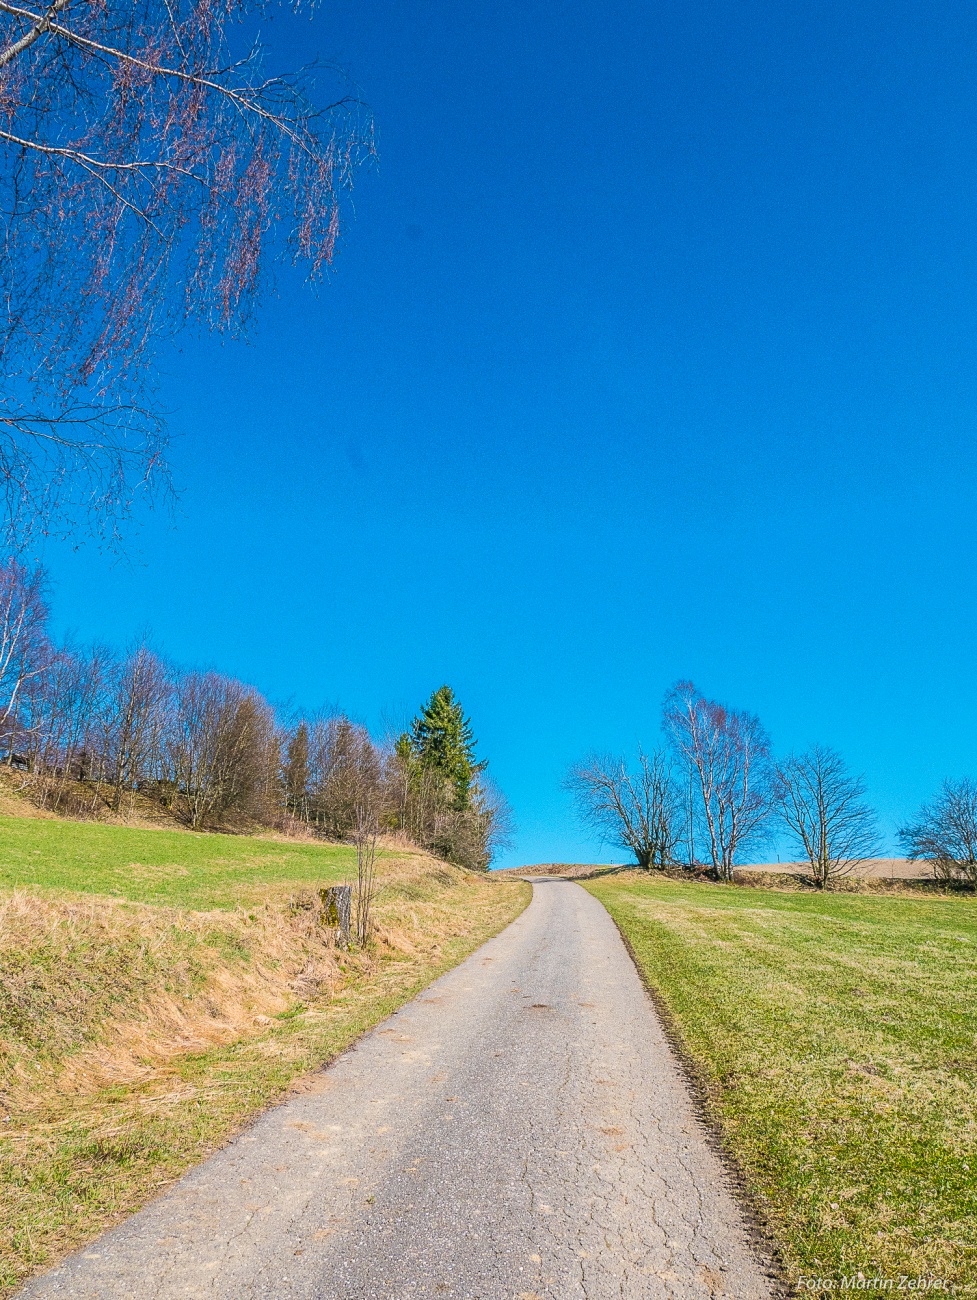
[{"x": 440, "y": 741}]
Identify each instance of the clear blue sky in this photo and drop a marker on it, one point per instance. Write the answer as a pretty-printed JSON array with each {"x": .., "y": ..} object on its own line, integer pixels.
[{"x": 651, "y": 353}]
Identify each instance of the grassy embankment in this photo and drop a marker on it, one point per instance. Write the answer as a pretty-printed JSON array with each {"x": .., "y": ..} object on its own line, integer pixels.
[
  {"x": 176, "y": 868},
  {"x": 836, "y": 1038},
  {"x": 158, "y": 988}
]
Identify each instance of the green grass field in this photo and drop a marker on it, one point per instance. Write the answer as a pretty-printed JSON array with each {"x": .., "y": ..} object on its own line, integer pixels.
[
  {"x": 175, "y": 868},
  {"x": 837, "y": 1037}
]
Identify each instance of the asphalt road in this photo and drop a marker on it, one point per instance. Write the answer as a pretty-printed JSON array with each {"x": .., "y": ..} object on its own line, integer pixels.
[{"x": 520, "y": 1130}]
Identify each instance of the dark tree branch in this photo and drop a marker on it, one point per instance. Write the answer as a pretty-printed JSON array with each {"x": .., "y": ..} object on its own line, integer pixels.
[{"x": 148, "y": 179}]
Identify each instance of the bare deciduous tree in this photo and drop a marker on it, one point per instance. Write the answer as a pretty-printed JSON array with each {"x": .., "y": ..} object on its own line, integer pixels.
[
  {"x": 497, "y": 824},
  {"x": 205, "y": 706},
  {"x": 365, "y": 836},
  {"x": 345, "y": 773},
  {"x": 468, "y": 837},
  {"x": 63, "y": 712},
  {"x": 221, "y": 747},
  {"x": 363, "y": 777},
  {"x": 24, "y": 646},
  {"x": 295, "y": 772},
  {"x": 422, "y": 805},
  {"x": 638, "y": 809},
  {"x": 137, "y": 720},
  {"x": 823, "y": 806},
  {"x": 150, "y": 167},
  {"x": 419, "y": 797},
  {"x": 727, "y": 753},
  {"x": 945, "y": 832}
]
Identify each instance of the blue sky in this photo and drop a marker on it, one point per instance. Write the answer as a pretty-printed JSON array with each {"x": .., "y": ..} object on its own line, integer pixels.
[{"x": 651, "y": 352}]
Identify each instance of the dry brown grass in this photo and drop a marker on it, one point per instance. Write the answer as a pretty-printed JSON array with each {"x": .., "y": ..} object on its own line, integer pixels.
[
  {"x": 135, "y": 1039},
  {"x": 35, "y": 795},
  {"x": 199, "y": 979}
]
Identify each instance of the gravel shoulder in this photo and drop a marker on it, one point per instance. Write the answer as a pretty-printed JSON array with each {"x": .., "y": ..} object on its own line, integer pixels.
[{"x": 519, "y": 1130}]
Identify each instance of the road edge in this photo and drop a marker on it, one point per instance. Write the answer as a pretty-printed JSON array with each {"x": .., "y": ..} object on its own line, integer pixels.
[{"x": 703, "y": 1095}]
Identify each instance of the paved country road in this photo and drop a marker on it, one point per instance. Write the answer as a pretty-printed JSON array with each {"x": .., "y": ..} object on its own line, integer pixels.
[{"x": 520, "y": 1129}]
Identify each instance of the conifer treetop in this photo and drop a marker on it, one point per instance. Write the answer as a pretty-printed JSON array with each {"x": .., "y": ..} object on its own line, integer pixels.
[{"x": 441, "y": 740}]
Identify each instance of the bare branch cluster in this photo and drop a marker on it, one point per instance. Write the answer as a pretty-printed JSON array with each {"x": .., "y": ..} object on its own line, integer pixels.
[
  {"x": 366, "y": 836},
  {"x": 93, "y": 729},
  {"x": 347, "y": 777},
  {"x": 151, "y": 168},
  {"x": 944, "y": 832},
  {"x": 423, "y": 806},
  {"x": 727, "y": 754},
  {"x": 823, "y": 806},
  {"x": 718, "y": 788},
  {"x": 638, "y": 808}
]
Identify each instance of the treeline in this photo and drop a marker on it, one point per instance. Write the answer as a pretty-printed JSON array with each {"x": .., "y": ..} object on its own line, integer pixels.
[
  {"x": 88, "y": 728},
  {"x": 714, "y": 791}
]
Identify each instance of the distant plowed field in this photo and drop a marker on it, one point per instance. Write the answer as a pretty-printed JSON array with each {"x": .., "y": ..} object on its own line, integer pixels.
[
  {"x": 570, "y": 870},
  {"x": 871, "y": 869}
]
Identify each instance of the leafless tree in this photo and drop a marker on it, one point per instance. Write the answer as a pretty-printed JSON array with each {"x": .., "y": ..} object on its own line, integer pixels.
[
  {"x": 150, "y": 168},
  {"x": 423, "y": 804},
  {"x": 24, "y": 646},
  {"x": 467, "y": 837},
  {"x": 421, "y": 799},
  {"x": 202, "y": 744},
  {"x": 52, "y": 716},
  {"x": 205, "y": 707},
  {"x": 727, "y": 753},
  {"x": 346, "y": 771},
  {"x": 498, "y": 825},
  {"x": 365, "y": 836},
  {"x": 137, "y": 720},
  {"x": 945, "y": 832},
  {"x": 63, "y": 712},
  {"x": 221, "y": 747},
  {"x": 637, "y": 808},
  {"x": 823, "y": 807},
  {"x": 295, "y": 771}
]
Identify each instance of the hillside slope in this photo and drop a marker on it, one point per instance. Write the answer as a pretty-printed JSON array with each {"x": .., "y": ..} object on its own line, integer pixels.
[
  {"x": 136, "y": 1036},
  {"x": 180, "y": 868}
]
